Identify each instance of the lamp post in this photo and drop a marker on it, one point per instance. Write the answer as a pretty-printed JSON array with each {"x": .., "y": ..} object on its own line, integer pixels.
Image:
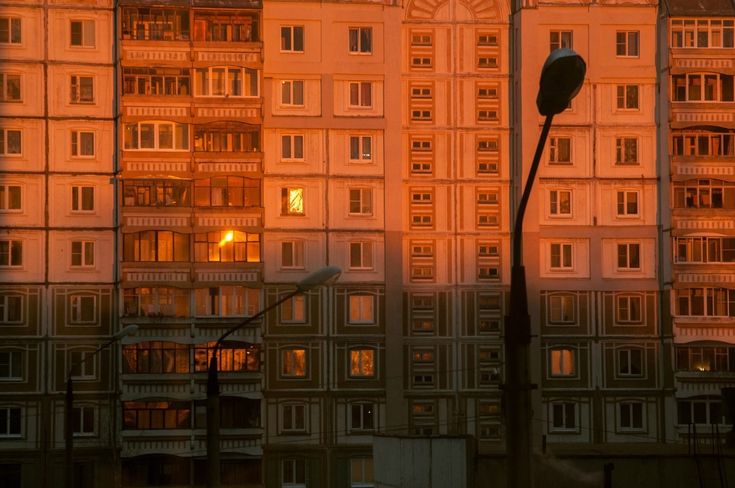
[
  {"x": 69, "y": 404},
  {"x": 320, "y": 277},
  {"x": 561, "y": 79}
]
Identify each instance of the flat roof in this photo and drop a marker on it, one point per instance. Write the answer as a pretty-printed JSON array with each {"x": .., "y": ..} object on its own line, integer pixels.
[{"x": 700, "y": 8}]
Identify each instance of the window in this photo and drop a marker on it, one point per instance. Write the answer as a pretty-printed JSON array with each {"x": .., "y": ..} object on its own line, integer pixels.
[
  {"x": 704, "y": 249},
  {"x": 421, "y": 52},
  {"x": 82, "y": 33},
  {"x": 293, "y": 310},
  {"x": 629, "y": 362},
  {"x": 11, "y": 309},
  {"x": 293, "y": 363},
  {"x": 704, "y": 194},
  {"x": 423, "y": 313},
  {"x": 10, "y": 88},
  {"x": 361, "y": 309},
  {"x": 10, "y": 198},
  {"x": 10, "y": 30},
  {"x": 361, "y": 416},
  {"x": 421, "y": 261},
  {"x": 563, "y": 417},
  {"x": 155, "y": 357},
  {"x": 560, "y": 203},
  {"x": 488, "y": 260},
  {"x": 292, "y": 201},
  {"x": 362, "y": 363},
  {"x": 627, "y": 203},
  {"x": 226, "y": 247},
  {"x": 627, "y": 97},
  {"x": 292, "y": 147},
  {"x": 10, "y": 422},
  {"x": 156, "y": 136},
  {"x": 423, "y": 367},
  {"x": 486, "y": 102},
  {"x": 293, "y": 417},
  {"x": 489, "y": 373},
  {"x": 82, "y": 143},
  {"x": 561, "y": 256},
  {"x": 293, "y": 473},
  {"x": 421, "y": 155},
  {"x": 423, "y": 418},
  {"x": 361, "y": 40},
  {"x": 361, "y": 255},
  {"x": 562, "y": 308},
  {"x": 701, "y": 411},
  {"x": 83, "y": 421},
  {"x": 156, "y": 415},
  {"x": 82, "y": 364},
  {"x": 226, "y": 81},
  {"x": 489, "y": 311},
  {"x": 156, "y": 81},
  {"x": 225, "y": 27},
  {"x": 626, "y": 150},
  {"x": 629, "y": 256},
  {"x": 156, "y": 245},
  {"x": 81, "y": 89},
  {"x": 562, "y": 363},
  {"x": 160, "y": 193},
  {"x": 292, "y": 92},
  {"x": 489, "y": 420},
  {"x": 155, "y": 24},
  {"x": 11, "y": 365},
  {"x": 560, "y": 39},
  {"x": 703, "y": 143},
  {"x": 218, "y": 191},
  {"x": 705, "y": 359},
  {"x": 702, "y": 33},
  {"x": 630, "y": 416},
  {"x": 487, "y": 156},
  {"x": 227, "y": 137},
  {"x": 227, "y": 301},
  {"x": 156, "y": 302},
  {"x": 361, "y": 472},
  {"x": 560, "y": 150},
  {"x": 628, "y": 309},
  {"x": 487, "y": 208},
  {"x": 292, "y": 255},
  {"x": 11, "y": 253},
  {"x": 361, "y": 94},
  {"x": 83, "y": 309},
  {"x": 233, "y": 356},
  {"x": 702, "y": 87},
  {"x": 421, "y": 209},
  {"x": 626, "y": 44},
  {"x": 292, "y": 38},
  {"x": 361, "y": 149},
  {"x": 82, "y": 198},
  {"x": 361, "y": 201},
  {"x": 421, "y": 103},
  {"x": 82, "y": 254},
  {"x": 705, "y": 302},
  {"x": 10, "y": 142}
]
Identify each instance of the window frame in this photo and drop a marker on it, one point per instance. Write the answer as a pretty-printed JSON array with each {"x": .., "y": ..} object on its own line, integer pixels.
[
  {"x": 79, "y": 415},
  {"x": 11, "y": 198},
  {"x": 357, "y": 146},
  {"x": 85, "y": 253},
  {"x": 290, "y": 362},
  {"x": 292, "y": 201},
  {"x": 78, "y": 145},
  {"x": 631, "y": 320},
  {"x": 621, "y": 151},
  {"x": 626, "y": 359},
  {"x": 631, "y": 254},
  {"x": 360, "y": 201},
  {"x": 290, "y": 44},
  {"x": 362, "y": 363},
  {"x": 624, "y": 39},
  {"x": 15, "y": 361},
  {"x": 15, "y": 250},
  {"x": 6, "y": 429},
  {"x": 84, "y": 42},
  {"x": 556, "y": 204},
  {"x": 297, "y": 254},
  {"x": 360, "y": 95},
  {"x": 291, "y": 95},
  {"x": 365, "y": 303},
  {"x": 563, "y": 362},
  {"x": 5, "y": 87},
  {"x": 623, "y": 100},
  {"x": 295, "y": 151},
  {"x": 565, "y": 428},
  {"x": 12, "y": 30},
  {"x": 562, "y": 265},
  {"x": 134, "y": 129},
  {"x": 561, "y": 42},
  {"x": 356, "y": 47},
  {"x": 77, "y": 95},
  {"x": 366, "y": 256},
  {"x": 295, "y": 427},
  {"x": 6, "y": 146}
]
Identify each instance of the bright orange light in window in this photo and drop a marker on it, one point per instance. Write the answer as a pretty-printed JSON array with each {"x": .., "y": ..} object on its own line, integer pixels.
[{"x": 227, "y": 238}]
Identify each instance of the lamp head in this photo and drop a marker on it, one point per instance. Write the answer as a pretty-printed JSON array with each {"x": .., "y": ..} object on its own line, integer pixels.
[
  {"x": 323, "y": 276},
  {"x": 561, "y": 79},
  {"x": 126, "y": 331}
]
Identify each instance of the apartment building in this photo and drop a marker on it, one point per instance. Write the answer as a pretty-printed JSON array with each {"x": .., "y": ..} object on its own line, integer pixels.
[
  {"x": 191, "y": 235},
  {"x": 330, "y": 136},
  {"x": 697, "y": 134},
  {"x": 591, "y": 243},
  {"x": 455, "y": 173},
  {"x": 57, "y": 248}
]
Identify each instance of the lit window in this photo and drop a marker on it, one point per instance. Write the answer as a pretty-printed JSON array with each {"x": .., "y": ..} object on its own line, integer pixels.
[
  {"x": 563, "y": 417},
  {"x": 10, "y": 142},
  {"x": 627, "y": 203},
  {"x": 10, "y": 30},
  {"x": 156, "y": 245},
  {"x": 226, "y": 247},
  {"x": 11, "y": 365},
  {"x": 293, "y": 363},
  {"x": 562, "y": 308},
  {"x": 292, "y": 92},
  {"x": 227, "y": 301},
  {"x": 361, "y": 94},
  {"x": 292, "y": 201},
  {"x": 292, "y": 147},
  {"x": 82, "y": 33},
  {"x": 232, "y": 356},
  {"x": 560, "y": 150},
  {"x": 361, "y": 40},
  {"x": 83, "y": 309},
  {"x": 224, "y": 26},
  {"x": 630, "y": 362},
  {"x": 361, "y": 201},
  {"x": 362, "y": 363},
  {"x": 157, "y": 415},
  {"x": 361, "y": 255},
  {"x": 82, "y": 143},
  {"x": 361, "y": 149},
  {"x": 627, "y": 97},
  {"x": 156, "y": 136},
  {"x": 156, "y": 357},
  {"x": 82, "y": 198},
  {"x": 293, "y": 417},
  {"x": 226, "y": 81},
  {"x": 561, "y": 256},
  {"x": 11, "y": 253},
  {"x": 292, "y": 255},
  {"x": 626, "y": 150},
  {"x": 81, "y": 89},
  {"x": 362, "y": 416},
  {"x": 361, "y": 473},
  {"x": 293, "y": 310},
  {"x": 10, "y": 198},
  {"x": 562, "y": 363},
  {"x": 361, "y": 309},
  {"x": 560, "y": 39},
  {"x": 10, "y": 88},
  {"x": 83, "y": 421},
  {"x": 82, "y": 254},
  {"x": 630, "y": 416},
  {"x": 629, "y": 256},
  {"x": 628, "y": 309},
  {"x": 626, "y": 44},
  {"x": 10, "y": 422},
  {"x": 560, "y": 203},
  {"x": 292, "y": 38}
]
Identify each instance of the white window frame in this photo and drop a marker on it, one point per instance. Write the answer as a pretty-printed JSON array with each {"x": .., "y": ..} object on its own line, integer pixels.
[
  {"x": 4, "y": 134},
  {"x": 621, "y": 97},
  {"x": 204, "y": 82},
  {"x": 14, "y": 26},
  {"x": 176, "y": 145},
  {"x": 564, "y": 38},
  {"x": 363, "y": 306},
  {"x": 76, "y": 90},
  {"x": 13, "y": 244},
  {"x": 361, "y": 146},
  {"x": 5, "y": 431},
  {"x": 4, "y": 82},
  {"x": 357, "y": 47},
  {"x": 552, "y": 417},
  {"x": 5, "y": 317},
  {"x": 77, "y": 144},
  {"x": 362, "y": 407},
  {"x": 619, "y": 298},
  {"x": 555, "y": 203},
  {"x": 554, "y": 150},
  {"x": 82, "y": 411},
  {"x": 629, "y": 264},
  {"x": 86, "y": 361},
  {"x": 6, "y": 200},
  {"x": 566, "y": 300},
  {"x": 620, "y": 151},
  {"x": 85, "y": 33},
  {"x": 15, "y": 361},
  {"x": 563, "y": 265},
  {"x": 360, "y": 202},
  {"x": 78, "y": 198},
  {"x": 86, "y": 254},
  {"x": 291, "y": 95},
  {"x": 291, "y": 150},
  {"x": 357, "y": 88},
  {"x": 294, "y": 481},
  {"x": 298, "y": 310},
  {"x": 284, "y": 371},
  {"x": 295, "y": 254},
  {"x": 365, "y": 250},
  {"x": 630, "y": 406},
  {"x": 290, "y": 44},
  {"x": 623, "y": 198},
  {"x": 565, "y": 358},
  {"x": 293, "y": 194},
  {"x": 624, "y": 361},
  {"x": 290, "y": 410},
  {"x": 627, "y": 44},
  {"x": 76, "y": 303}
]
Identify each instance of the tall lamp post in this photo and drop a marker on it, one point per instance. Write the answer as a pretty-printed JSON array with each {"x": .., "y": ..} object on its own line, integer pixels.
[
  {"x": 69, "y": 404},
  {"x": 561, "y": 79},
  {"x": 320, "y": 277}
]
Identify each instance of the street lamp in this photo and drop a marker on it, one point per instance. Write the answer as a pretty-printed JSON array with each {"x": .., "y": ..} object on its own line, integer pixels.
[
  {"x": 561, "y": 79},
  {"x": 69, "y": 404},
  {"x": 323, "y": 276}
]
